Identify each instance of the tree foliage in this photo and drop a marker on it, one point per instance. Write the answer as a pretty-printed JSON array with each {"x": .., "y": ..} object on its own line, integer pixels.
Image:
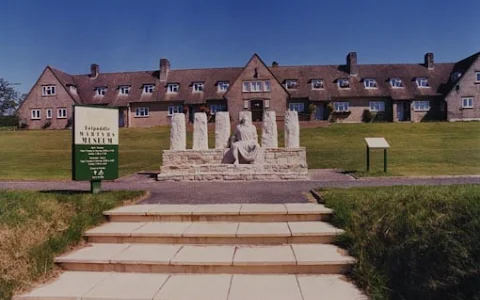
[{"x": 10, "y": 98}]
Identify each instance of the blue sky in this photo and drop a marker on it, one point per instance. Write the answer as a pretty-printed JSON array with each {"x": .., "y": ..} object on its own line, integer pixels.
[{"x": 133, "y": 35}]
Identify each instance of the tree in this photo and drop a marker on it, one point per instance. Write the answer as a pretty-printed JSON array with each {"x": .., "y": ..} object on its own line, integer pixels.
[{"x": 10, "y": 99}]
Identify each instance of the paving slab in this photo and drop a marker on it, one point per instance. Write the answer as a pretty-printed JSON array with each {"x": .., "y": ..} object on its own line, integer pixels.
[
  {"x": 320, "y": 254},
  {"x": 172, "y": 210},
  {"x": 115, "y": 229},
  {"x": 136, "y": 210},
  {"x": 264, "y": 287},
  {"x": 263, "y": 229},
  {"x": 98, "y": 253},
  {"x": 128, "y": 286},
  {"x": 213, "y": 229},
  {"x": 169, "y": 229},
  {"x": 188, "y": 287},
  {"x": 147, "y": 253},
  {"x": 263, "y": 209},
  {"x": 70, "y": 285},
  {"x": 331, "y": 287},
  {"x": 313, "y": 228},
  {"x": 217, "y": 209},
  {"x": 307, "y": 208},
  {"x": 264, "y": 255},
  {"x": 204, "y": 255}
]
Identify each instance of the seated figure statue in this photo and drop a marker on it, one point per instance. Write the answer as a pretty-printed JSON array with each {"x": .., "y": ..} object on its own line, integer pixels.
[{"x": 245, "y": 142}]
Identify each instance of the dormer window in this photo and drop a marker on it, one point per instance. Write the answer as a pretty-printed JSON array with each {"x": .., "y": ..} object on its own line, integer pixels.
[
  {"x": 317, "y": 84},
  {"x": 148, "y": 88},
  {"x": 73, "y": 89},
  {"x": 172, "y": 88},
  {"x": 49, "y": 90},
  {"x": 124, "y": 89},
  {"x": 396, "y": 83},
  {"x": 198, "y": 87},
  {"x": 100, "y": 91},
  {"x": 343, "y": 83},
  {"x": 370, "y": 83},
  {"x": 455, "y": 76},
  {"x": 422, "y": 82},
  {"x": 222, "y": 86},
  {"x": 291, "y": 84}
]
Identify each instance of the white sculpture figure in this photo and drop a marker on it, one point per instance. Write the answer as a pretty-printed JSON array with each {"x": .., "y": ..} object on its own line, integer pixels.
[
  {"x": 245, "y": 144},
  {"x": 292, "y": 129},
  {"x": 200, "y": 132},
  {"x": 269, "y": 130},
  {"x": 222, "y": 129},
  {"x": 178, "y": 136}
]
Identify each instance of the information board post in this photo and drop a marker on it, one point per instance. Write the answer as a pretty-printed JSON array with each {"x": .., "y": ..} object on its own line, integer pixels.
[{"x": 95, "y": 145}]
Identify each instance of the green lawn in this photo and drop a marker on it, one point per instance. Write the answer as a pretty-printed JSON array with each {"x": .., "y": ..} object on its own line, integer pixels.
[
  {"x": 37, "y": 226},
  {"x": 417, "y": 149},
  {"x": 416, "y": 242}
]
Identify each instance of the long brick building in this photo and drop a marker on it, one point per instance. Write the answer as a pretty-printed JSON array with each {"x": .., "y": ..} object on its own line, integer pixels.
[{"x": 349, "y": 92}]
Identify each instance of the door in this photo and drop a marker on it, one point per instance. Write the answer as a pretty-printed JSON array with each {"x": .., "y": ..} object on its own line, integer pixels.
[
  {"x": 121, "y": 118},
  {"x": 401, "y": 111},
  {"x": 319, "y": 109},
  {"x": 256, "y": 106}
]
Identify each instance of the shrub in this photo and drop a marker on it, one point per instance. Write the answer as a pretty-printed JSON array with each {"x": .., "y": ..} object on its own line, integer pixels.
[{"x": 8, "y": 121}]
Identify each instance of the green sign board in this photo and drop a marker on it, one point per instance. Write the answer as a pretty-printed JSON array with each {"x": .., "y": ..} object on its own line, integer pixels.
[{"x": 95, "y": 143}]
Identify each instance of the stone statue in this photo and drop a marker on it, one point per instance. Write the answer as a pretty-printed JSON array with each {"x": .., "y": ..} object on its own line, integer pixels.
[{"x": 245, "y": 142}]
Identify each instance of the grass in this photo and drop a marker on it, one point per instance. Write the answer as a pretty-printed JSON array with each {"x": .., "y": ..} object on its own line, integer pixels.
[
  {"x": 417, "y": 242},
  {"x": 36, "y": 226},
  {"x": 416, "y": 149}
]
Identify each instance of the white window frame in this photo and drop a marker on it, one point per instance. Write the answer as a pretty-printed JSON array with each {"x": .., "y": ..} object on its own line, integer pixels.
[
  {"x": 297, "y": 106},
  {"x": 318, "y": 81},
  {"x": 49, "y": 90},
  {"x": 174, "y": 109},
  {"x": 142, "y": 112},
  {"x": 266, "y": 86},
  {"x": 172, "y": 88},
  {"x": 465, "y": 102},
  {"x": 124, "y": 90},
  {"x": 477, "y": 76},
  {"x": 341, "y": 106},
  {"x": 421, "y": 105},
  {"x": 256, "y": 86},
  {"x": 222, "y": 86},
  {"x": 396, "y": 83},
  {"x": 245, "y": 86},
  {"x": 198, "y": 87},
  {"x": 148, "y": 88},
  {"x": 291, "y": 84},
  {"x": 35, "y": 114},
  {"x": 100, "y": 91},
  {"x": 62, "y": 113},
  {"x": 217, "y": 107},
  {"x": 339, "y": 81},
  {"x": 376, "y": 106},
  {"x": 49, "y": 113},
  {"x": 370, "y": 83},
  {"x": 422, "y": 82}
]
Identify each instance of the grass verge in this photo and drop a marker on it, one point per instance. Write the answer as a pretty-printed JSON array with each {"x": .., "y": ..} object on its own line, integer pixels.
[
  {"x": 417, "y": 242},
  {"x": 36, "y": 226}
]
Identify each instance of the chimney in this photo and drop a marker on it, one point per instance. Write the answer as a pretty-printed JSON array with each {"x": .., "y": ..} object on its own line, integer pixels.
[
  {"x": 352, "y": 63},
  {"x": 94, "y": 70},
  {"x": 429, "y": 63},
  {"x": 274, "y": 64},
  {"x": 164, "y": 69}
]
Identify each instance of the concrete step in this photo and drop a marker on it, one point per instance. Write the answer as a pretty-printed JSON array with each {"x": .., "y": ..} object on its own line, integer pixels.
[
  {"x": 291, "y": 212},
  {"x": 213, "y": 259},
  {"x": 106, "y": 285},
  {"x": 226, "y": 233}
]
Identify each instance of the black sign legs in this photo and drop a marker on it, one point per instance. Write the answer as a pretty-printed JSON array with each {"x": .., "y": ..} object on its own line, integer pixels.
[{"x": 95, "y": 186}]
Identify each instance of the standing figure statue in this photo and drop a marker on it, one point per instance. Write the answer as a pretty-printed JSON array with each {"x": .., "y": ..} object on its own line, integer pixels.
[{"x": 245, "y": 142}]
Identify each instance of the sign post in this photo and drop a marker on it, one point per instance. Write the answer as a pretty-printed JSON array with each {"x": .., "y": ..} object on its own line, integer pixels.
[
  {"x": 95, "y": 145},
  {"x": 377, "y": 143}
]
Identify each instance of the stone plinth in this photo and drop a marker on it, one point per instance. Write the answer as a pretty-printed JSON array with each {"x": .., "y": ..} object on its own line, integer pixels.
[
  {"x": 178, "y": 136},
  {"x": 200, "y": 131},
  {"x": 222, "y": 129}
]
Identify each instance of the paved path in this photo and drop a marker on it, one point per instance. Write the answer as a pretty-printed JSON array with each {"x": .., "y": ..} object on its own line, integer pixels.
[{"x": 238, "y": 192}]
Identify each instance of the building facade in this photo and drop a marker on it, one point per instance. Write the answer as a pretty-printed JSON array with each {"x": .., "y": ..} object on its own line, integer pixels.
[{"x": 350, "y": 92}]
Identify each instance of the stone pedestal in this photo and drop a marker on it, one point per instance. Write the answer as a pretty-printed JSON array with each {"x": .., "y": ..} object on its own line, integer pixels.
[
  {"x": 269, "y": 130},
  {"x": 222, "y": 129},
  {"x": 178, "y": 136},
  {"x": 292, "y": 129},
  {"x": 200, "y": 131}
]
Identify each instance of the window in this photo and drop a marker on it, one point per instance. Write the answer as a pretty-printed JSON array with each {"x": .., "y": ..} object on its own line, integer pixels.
[
  {"x": 61, "y": 113},
  {"x": 100, "y": 91},
  {"x": 48, "y": 90},
  {"x": 222, "y": 86},
  {"x": 477, "y": 76},
  {"x": 343, "y": 83},
  {"x": 340, "y": 106},
  {"x": 174, "y": 109},
  {"x": 317, "y": 84},
  {"x": 124, "y": 90},
  {"x": 300, "y": 107},
  {"x": 172, "y": 88},
  {"x": 255, "y": 86},
  {"x": 266, "y": 86},
  {"x": 49, "y": 113},
  {"x": 36, "y": 115},
  {"x": 421, "y": 105},
  {"x": 467, "y": 102},
  {"x": 455, "y": 76},
  {"x": 198, "y": 87},
  {"x": 291, "y": 84},
  {"x": 396, "y": 83},
  {"x": 141, "y": 112},
  {"x": 148, "y": 88},
  {"x": 217, "y": 107},
  {"x": 377, "y": 106},
  {"x": 245, "y": 86},
  {"x": 422, "y": 82},
  {"x": 370, "y": 83}
]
